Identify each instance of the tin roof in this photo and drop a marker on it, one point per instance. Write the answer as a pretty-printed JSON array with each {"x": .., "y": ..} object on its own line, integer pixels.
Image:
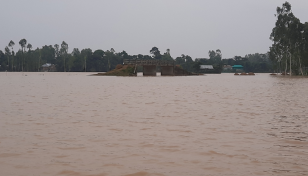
[
  {"x": 206, "y": 67},
  {"x": 46, "y": 65},
  {"x": 237, "y": 66}
]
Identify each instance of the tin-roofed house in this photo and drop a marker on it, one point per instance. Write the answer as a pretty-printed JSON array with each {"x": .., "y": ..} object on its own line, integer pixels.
[
  {"x": 209, "y": 69},
  {"x": 206, "y": 67},
  {"x": 227, "y": 68},
  {"x": 238, "y": 68},
  {"x": 48, "y": 67}
]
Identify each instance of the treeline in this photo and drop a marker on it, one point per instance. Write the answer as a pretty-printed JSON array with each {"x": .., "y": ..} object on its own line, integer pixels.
[
  {"x": 288, "y": 53},
  {"x": 28, "y": 59},
  {"x": 257, "y": 63},
  {"x": 289, "y": 50}
]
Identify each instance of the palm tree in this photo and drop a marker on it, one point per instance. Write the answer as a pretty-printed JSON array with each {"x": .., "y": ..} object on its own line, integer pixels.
[
  {"x": 11, "y": 44},
  {"x": 22, "y": 43},
  {"x": 64, "y": 49},
  {"x": 112, "y": 50},
  {"x": 7, "y": 53},
  {"x": 168, "y": 51},
  {"x": 29, "y": 46}
]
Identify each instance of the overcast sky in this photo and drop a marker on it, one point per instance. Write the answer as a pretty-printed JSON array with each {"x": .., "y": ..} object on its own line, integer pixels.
[{"x": 190, "y": 27}]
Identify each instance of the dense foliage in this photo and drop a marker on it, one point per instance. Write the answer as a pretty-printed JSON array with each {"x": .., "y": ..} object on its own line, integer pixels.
[
  {"x": 103, "y": 61},
  {"x": 289, "y": 51},
  {"x": 257, "y": 63}
]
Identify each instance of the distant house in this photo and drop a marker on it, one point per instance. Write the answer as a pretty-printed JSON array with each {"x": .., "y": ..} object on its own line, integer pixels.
[
  {"x": 48, "y": 67},
  {"x": 238, "y": 68},
  {"x": 227, "y": 68},
  {"x": 206, "y": 67},
  {"x": 209, "y": 69}
]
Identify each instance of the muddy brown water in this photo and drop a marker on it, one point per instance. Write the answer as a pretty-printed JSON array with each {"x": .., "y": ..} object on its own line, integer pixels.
[{"x": 71, "y": 124}]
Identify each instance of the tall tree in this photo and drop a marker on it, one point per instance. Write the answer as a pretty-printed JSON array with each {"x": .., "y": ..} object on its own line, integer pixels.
[
  {"x": 156, "y": 53},
  {"x": 11, "y": 44},
  {"x": 64, "y": 50},
  {"x": 22, "y": 43},
  {"x": 168, "y": 51},
  {"x": 86, "y": 54},
  {"x": 2, "y": 61},
  {"x": 167, "y": 56},
  {"x": 8, "y": 55},
  {"x": 29, "y": 46},
  {"x": 112, "y": 50},
  {"x": 39, "y": 58},
  {"x": 287, "y": 37},
  {"x": 57, "y": 50},
  {"x": 215, "y": 57}
]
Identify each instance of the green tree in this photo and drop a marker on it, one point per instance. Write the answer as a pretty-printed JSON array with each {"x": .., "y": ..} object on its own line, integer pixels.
[
  {"x": 11, "y": 44},
  {"x": 155, "y": 52},
  {"x": 2, "y": 61},
  {"x": 78, "y": 64},
  {"x": 57, "y": 50},
  {"x": 8, "y": 55},
  {"x": 29, "y": 60},
  {"x": 63, "y": 51},
  {"x": 287, "y": 36},
  {"x": 22, "y": 43},
  {"x": 29, "y": 46},
  {"x": 86, "y": 54},
  {"x": 215, "y": 56},
  {"x": 167, "y": 56}
]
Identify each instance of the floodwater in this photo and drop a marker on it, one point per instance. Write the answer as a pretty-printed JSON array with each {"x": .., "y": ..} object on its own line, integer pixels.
[{"x": 71, "y": 124}]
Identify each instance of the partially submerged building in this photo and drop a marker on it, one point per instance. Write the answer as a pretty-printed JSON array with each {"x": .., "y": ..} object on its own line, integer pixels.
[
  {"x": 238, "y": 68},
  {"x": 209, "y": 69},
  {"x": 48, "y": 67},
  {"x": 227, "y": 68},
  {"x": 206, "y": 67}
]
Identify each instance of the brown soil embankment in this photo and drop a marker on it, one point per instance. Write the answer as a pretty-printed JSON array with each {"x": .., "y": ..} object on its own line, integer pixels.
[
  {"x": 129, "y": 70},
  {"x": 120, "y": 70}
]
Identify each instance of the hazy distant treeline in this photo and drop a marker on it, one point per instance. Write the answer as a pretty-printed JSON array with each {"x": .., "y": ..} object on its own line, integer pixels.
[
  {"x": 289, "y": 52},
  {"x": 28, "y": 59}
]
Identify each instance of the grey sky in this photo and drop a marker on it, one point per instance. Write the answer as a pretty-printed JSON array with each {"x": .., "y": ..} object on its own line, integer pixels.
[{"x": 190, "y": 27}]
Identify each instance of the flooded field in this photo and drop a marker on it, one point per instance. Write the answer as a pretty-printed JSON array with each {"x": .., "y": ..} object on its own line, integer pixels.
[{"x": 71, "y": 124}]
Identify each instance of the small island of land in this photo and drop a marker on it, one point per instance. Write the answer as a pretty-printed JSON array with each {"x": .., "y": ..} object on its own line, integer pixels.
[
  {"x": 131, "y": 70},
  {"x": 120, "y": 70}
]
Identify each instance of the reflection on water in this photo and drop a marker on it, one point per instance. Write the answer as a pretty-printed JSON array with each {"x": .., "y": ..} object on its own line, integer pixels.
[{"x": 70, "y": 124}]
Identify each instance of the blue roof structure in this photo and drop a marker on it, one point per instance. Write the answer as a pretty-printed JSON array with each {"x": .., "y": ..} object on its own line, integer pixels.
[{"x": 237, "y": 66}]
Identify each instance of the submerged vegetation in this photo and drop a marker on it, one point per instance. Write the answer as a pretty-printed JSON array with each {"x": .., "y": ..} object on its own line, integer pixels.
[{"x": 289, "y": 53}]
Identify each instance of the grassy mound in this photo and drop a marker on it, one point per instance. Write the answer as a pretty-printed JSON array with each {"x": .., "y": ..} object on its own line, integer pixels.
[{"x": 120, "y": 70}]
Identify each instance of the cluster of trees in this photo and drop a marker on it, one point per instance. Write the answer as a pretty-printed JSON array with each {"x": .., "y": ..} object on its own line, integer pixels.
[
  {"x": 76, "y": 61},
  {"x": 257, "y": 63},
  {"x": 13, "y": 62},
  {"x": 289, "y": 50},
  {"x": 103, "y": 61},
  {"x": 215, "y": 59},
  {"x": 84, "y": 60},
  {"x": 27, "y": 59}
]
